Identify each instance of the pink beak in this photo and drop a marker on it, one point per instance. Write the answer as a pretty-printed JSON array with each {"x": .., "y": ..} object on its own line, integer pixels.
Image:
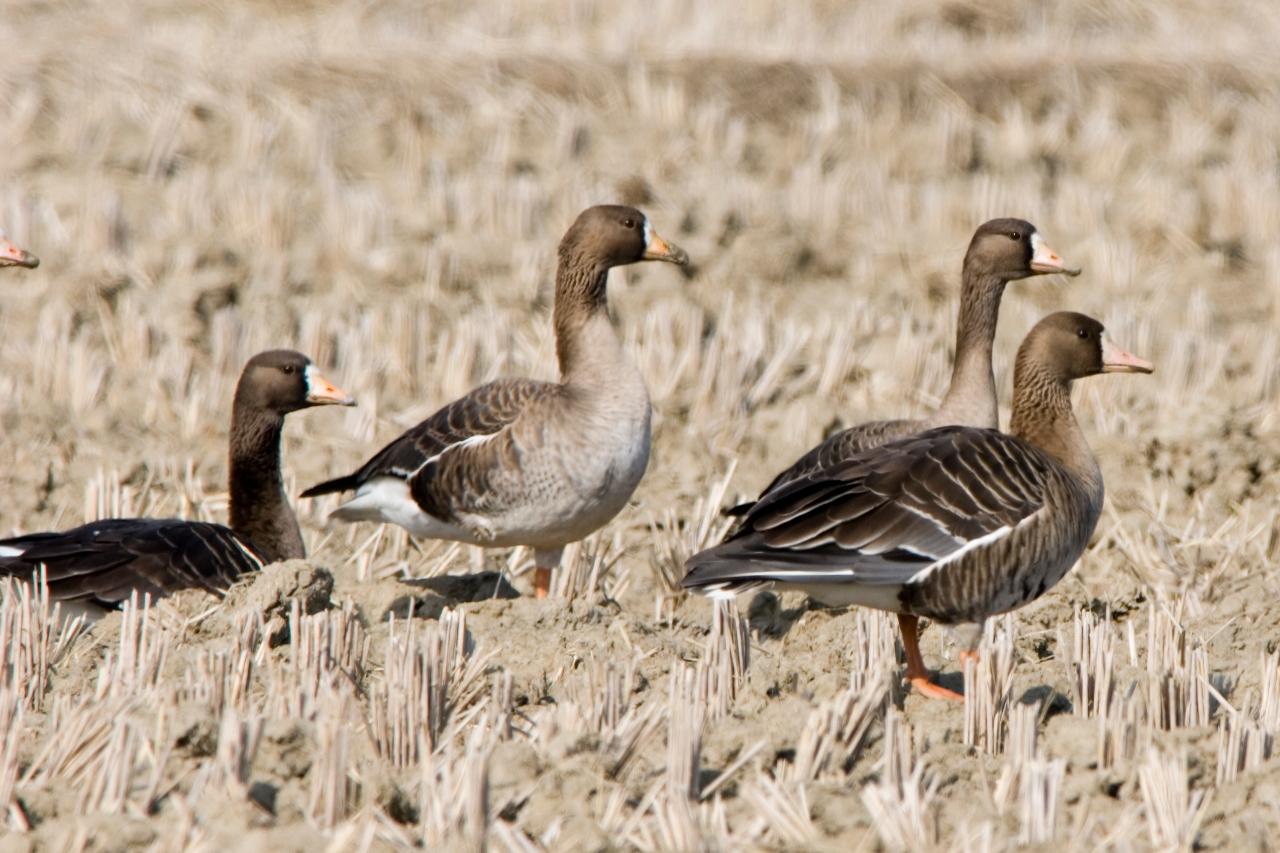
[
  {"x": 1116, "y": 359},
  {"x": 12, "y": 256},
  {"x": 1045, "y": 260},
  {"x": 322, "y": 392}
]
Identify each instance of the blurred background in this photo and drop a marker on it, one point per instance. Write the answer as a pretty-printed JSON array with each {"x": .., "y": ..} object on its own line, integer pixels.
[
  {"x": 367, "y": 180},
  {"x": 383, "y": 186}
]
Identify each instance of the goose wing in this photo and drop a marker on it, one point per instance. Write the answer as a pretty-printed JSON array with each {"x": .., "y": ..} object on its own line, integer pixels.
[
  {"x": 485, "y": 474},
  {"x": 885, "y": 516},
  {"x": 845, "y": 444},
  {"x": 104, "y": 561},
  {"x": 484, "y": 411}
]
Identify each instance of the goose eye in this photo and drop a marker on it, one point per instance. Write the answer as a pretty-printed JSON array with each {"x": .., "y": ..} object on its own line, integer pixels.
[
  {"x": 628, "y": 223},
  {"x": 1083, "y": 334},
  {"x": 1015, "y": 236},
  {"x": 288, "y": 368}
]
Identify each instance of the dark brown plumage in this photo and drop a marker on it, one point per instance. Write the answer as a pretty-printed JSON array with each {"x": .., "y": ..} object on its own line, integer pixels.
[
  {"x": 956, "y": 523},
  {"x": 102, "y": 563},
  {"x": 1001, "y": 250}
]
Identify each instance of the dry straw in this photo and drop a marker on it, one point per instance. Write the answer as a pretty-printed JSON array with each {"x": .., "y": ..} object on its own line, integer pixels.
[
  {"x": 11, "y": 727},
  {"x": 603, "y": 701},
  {"x": 34, "y": 637},
  {"x": 988, "y": 688},
  {"x": 901, "y": 814},
  {"x": 453, "y": 794},
  {"x": 1090, "y": 659},
  {"x": 326, "y": 654},
  {"x": 686, "y": 719},
  {"x": 232, "y": 764},
  {"x": 430, "y": 678},
  {"x": 1174, "y": 812},
  {"x": 676, "y": 539},
  {"x": 389, "y": 202},
  {"x": 332, "y": 788},
  {"x": 833, "y": 736},
  {"x": 1246, "y": 738},
  {"x": 901, "y": 803},
  {"x": 1038, "y": 799},
  {"x": 722, "y": 671},
  {"x": 138, "y": 661}
]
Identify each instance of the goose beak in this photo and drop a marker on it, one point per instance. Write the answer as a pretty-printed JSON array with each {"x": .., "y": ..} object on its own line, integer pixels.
[
  {"x": 322, "y": 392},
  {"x": 12, "y": 256},
  {"x": 658, "y": 249},
  {"x": 1116, "y": 359},
  {"x": 1045, "y": 260}
]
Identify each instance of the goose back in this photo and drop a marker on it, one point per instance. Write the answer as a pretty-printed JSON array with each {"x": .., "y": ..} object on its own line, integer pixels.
[
  {"x": 481, "y": 412},
  {"x": 104, "y": 562},
  {"x": 1000, "y": 251},
  {"x": 955, "y": 524}
]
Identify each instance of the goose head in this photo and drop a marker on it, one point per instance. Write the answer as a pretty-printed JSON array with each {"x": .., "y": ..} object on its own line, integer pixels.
[
  {"x": 1071, "y": 346},
  {"x": 284, "y": 381},
  {"x": 613, "y": 235},
  {"x": 1012, "y": 249}
]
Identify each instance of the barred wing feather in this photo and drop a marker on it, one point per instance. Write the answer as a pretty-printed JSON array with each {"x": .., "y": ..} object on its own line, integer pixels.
[{"x": 885, "y": 516}]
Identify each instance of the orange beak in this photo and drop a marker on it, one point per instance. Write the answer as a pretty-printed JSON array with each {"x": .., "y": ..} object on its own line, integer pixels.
[
  {"x": 658, "y": 249},
  {"x": 322, "y": 392}
]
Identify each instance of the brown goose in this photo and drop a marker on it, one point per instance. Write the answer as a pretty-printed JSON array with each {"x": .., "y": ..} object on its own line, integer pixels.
[
  {"x": 98, "y": 565},
  {"x": 1002, "y": 250},
  {"x": 12, "y": 256},
  {"x": 519, "y": 462},
  {"x": 957, "y": 523}
]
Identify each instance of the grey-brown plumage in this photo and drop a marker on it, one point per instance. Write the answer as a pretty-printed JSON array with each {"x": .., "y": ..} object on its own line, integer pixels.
[
  {"x": 519, "y": 462},
  {"x": 483, "y": 411},
  {"x": 102, "y": 563},
  {"x": 956, "y": 523},
  {"x": 1002, "y": 250}
]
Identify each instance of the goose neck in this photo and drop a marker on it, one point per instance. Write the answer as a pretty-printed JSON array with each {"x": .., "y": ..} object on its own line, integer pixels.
[
  {"x": 260, "y": 509},
  {"x": 1042, "y": 416},
  {"x": 971, "y": 398},
  {"x": 586, "y": 344}
]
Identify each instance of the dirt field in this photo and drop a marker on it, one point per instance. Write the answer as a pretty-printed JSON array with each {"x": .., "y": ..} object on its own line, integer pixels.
[{"x": 382, "y": 185}]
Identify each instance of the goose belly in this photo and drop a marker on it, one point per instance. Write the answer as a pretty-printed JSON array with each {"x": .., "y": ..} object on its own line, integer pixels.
[
  {"x": 564, "y": 488},
  {"x": 566, "y": 495},
  {"x": 1010, "y": 574}
]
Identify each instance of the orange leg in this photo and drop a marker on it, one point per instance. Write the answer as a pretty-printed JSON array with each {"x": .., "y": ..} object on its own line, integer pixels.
[
  {"x": 916, "y": 673},
  {"x": 541, "y": 582},
  {"x": 968, "y": 655},
  {"x": 544, "y": 560}
]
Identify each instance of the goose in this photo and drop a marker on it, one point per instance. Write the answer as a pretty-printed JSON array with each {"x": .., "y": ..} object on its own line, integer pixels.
[
  {"x": 522, "y": 462},
  {"x": 97, "y": 566},
  {"x": 1001, "y": 250},
  {"x": 955, "y": 524},
  {"x": 12, "y": 256}
]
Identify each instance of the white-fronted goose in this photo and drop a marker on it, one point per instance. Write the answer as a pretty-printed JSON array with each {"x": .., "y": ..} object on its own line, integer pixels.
[
  {"x": 1002, "y": 250},
  {"x": 520, "y": 462},
  {"x": 956, "y": 523},
  {"x": 12, "y": 256},
  {"x": 98, "y": 565}
]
